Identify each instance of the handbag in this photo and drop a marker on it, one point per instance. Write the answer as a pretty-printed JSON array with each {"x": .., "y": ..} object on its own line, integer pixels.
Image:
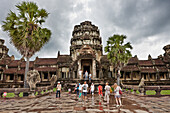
[{"x": 120, "y": 92}]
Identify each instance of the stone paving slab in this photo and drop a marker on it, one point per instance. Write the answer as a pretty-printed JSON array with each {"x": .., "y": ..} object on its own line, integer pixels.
[{"x": 70, "y": 103}]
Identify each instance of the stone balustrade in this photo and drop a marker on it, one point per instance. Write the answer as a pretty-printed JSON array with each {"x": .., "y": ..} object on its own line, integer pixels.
[{"x": 31, "y": 93}]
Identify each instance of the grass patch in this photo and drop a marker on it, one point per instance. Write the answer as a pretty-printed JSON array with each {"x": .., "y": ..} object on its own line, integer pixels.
[
  {"x": 10, "y": 95},
  {"x": 36, "y": 93},
  {"x": 150, "y": 92},
  {"x": 21, "y": 94},
  {"x": 165, "y": 92},
  {"x": 126, "y": 89},
  {"x": 131, "y": 90},
  {"x": 42, "y": 92},
  {"x": 137, "y": 92},
  {"x": 54, "y": 89}
]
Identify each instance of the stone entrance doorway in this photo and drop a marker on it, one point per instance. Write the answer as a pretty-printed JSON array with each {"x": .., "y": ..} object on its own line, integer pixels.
[
  {"x": 86, "y": 68},
  {"x": 86, "y": 65}
]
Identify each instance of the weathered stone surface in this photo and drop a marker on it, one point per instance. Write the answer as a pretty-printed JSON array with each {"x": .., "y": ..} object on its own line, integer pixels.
[{"x": 49, "y": 104}]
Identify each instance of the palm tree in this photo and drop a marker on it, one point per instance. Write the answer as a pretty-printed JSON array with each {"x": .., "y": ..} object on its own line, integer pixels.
[
  {"x": 118, "y": 52},
  {"x": 25, "y": 30}
]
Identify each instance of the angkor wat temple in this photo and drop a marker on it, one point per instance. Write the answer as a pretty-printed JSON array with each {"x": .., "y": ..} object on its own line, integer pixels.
[{"x": 86, "y": 53}]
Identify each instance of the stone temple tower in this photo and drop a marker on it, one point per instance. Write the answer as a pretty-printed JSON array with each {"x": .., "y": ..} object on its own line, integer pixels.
[{"x": 86, "y": 47}]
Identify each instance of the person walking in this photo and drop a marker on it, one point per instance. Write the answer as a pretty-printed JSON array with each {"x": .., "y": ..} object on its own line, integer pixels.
[
  {"x": 100, "y": 90},
  {"x": 107, "y": 92},
  {"x": 117, "y": 89},
  {"x": 92, "y": 89},
  {"x": 80, "y": 90},
  {"x": 85, "y": 89},
  {"x": 58, "y": 90},
  {"x": 77, "y": 89},
  {"x": 86, "y": 75},
  {"x": 90, "y": 78}
]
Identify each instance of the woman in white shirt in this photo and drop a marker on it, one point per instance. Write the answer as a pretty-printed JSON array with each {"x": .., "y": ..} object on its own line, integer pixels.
[
  {"x": 117, "y": 95},
  {"x": 92, "y": 89},
  {"x": 107, "y": 92}
]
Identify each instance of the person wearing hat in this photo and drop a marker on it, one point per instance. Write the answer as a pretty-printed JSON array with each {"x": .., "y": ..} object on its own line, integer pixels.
[{"x": 58, "y": 90}]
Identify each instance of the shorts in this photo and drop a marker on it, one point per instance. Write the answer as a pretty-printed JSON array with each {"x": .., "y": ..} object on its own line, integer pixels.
[
  {"x": 117, "y": 96},
  {"x": 84, "y": 93}
]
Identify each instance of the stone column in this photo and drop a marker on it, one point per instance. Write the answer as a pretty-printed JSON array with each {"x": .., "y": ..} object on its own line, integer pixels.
[
  {"x": 124, "y": 75},
  {"x": 131, "y": 75},
  {"x": 41, "y": 76},
  {"x": 49, "y": 77},
  {"x": 79, "y": 68},
  {"x": 94, "y": 68}
]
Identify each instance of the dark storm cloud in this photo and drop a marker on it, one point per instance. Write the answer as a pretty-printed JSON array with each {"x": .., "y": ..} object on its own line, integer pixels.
[{"x": 146, "y": 23}]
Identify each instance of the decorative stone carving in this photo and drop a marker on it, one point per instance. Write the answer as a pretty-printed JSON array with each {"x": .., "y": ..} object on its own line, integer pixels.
[
  {"x": 142, "y": 83},
  {"x": 53, "y": 80},
  {"x": 33, "y": 77}
]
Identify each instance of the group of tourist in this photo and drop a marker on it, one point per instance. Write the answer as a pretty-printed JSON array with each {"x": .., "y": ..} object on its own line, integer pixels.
[{"x": 82, "y": 90}]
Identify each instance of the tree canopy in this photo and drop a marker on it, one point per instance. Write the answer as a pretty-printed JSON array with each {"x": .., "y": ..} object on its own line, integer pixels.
[{"x": 25, "y": 28}]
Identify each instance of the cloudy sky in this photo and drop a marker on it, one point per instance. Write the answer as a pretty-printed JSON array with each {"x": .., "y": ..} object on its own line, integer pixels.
[{"x": 146, "y": 23}]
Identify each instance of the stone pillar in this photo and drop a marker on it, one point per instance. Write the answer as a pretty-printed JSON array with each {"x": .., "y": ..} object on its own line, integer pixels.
[
  {"x": 94, "y": 68},
  {"x": 41, "y": 76},
  {"x": 79, "y": 68},
  {"x": 148, "y": 77},
  {"x": 124, "y": 75},
  {"x": 49, "y": 77},
  {"x": 131, "y": 75}
]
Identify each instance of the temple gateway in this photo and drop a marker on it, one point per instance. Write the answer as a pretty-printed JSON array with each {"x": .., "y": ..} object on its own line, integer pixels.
[{"x": 86, "y": 54}]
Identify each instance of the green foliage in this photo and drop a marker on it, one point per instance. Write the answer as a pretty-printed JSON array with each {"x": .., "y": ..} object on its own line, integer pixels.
[
  {"x": 165, "y": 92},
  {"x": 150, "y": 92},
  {"x": 9, "y": 95},
  {"x": 46, "y": 91},
  {"x": 54, "y": 89},
  {"x": 21, "y": 94},
  {"x": 25, "y": 29},
  {"x": 126, "y": 89},
  {"x": 131, "y": 90},
  {"x": 137, "y": 92},
  {"x": 118, "y": 52},
  {"x": 36, "y": 93},
  {"x": 42, "y": 92}
]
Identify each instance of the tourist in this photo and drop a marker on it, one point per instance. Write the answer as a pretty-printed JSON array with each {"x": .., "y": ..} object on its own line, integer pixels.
[
  {"x": 90, "y": 77},
  {"x": 77, "y": 89},
  {"x": 85, "y": 87},
  {"x": 100, "y": 90},
  {"x": 107, "y": 92},
  {"x": 86, "y": 75},
  {"x": 58, "y": 90},
  {"x": 80, "y": 90},
  {"x": 117, "y": 95},
  {"x": 92, "y": 89}
]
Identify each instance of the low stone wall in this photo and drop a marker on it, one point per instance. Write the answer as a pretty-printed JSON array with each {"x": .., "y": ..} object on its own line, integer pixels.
[
  {"x": 30, "y": 93},
  {"x": 142, "y": 90}
]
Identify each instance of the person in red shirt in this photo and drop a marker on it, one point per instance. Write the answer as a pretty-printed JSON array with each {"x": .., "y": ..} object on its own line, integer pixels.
[{"x": 100, "y": 90}]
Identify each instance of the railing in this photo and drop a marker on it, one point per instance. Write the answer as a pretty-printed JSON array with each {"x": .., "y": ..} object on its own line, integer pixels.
[
  {"x": 142, "y": 90},
  {"x": 17, "y": 91}
]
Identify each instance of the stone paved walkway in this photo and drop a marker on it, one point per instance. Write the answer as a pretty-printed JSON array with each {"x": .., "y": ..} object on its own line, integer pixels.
[
  {"x": 69, "y": 103},
  {"x": 153, "y": 104}
]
